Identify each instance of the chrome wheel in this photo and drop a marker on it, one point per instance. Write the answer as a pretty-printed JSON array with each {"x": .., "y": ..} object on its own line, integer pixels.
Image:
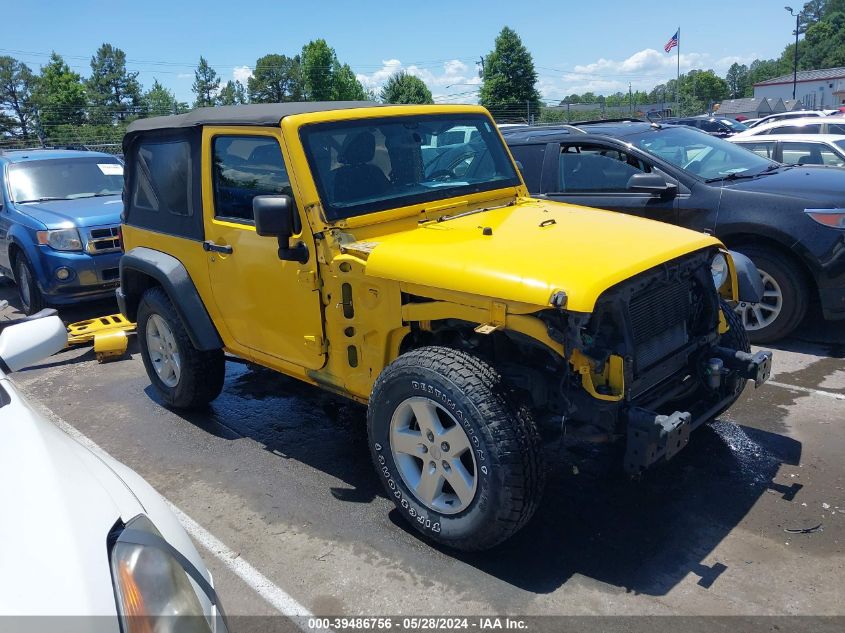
[
  {"x": 756, "y": 316},
  {"x": 433, "y": 455},
  {"x": 24, "y": 284},
  {"x": 164, "y": 353}
]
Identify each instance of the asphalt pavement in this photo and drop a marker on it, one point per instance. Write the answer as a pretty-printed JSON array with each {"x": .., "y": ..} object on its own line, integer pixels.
[{"x": 748, "y": 520}]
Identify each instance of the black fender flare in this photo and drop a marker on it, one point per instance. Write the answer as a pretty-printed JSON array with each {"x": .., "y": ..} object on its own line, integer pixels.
[
  {"x": 748, "y": 277},
  {"x": 141, "y": 268}
]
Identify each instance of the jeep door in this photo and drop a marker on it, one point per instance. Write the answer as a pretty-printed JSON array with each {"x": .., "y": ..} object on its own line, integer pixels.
[
  {"x": 268, "y": 305},
  {"x": 595, "y": 174}
]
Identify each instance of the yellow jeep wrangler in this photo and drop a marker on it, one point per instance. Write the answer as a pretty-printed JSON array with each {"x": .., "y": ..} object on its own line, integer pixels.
[{"x": 393, "y": 255}]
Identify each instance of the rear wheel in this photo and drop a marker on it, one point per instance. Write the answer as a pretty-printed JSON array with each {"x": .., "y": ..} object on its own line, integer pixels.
[
  {"x": 456, "y": 453},
  {"x": 184, "y": 376},
  {"x": 785, "y": 296},
  {"x": 32, "y": 300}
]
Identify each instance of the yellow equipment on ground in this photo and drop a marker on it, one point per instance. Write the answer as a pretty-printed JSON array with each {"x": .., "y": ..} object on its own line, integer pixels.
[{"x": 108, "y": 333}]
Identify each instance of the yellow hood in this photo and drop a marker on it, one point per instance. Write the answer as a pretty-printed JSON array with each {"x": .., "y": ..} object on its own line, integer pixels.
[{"x": 536, "y": 248}]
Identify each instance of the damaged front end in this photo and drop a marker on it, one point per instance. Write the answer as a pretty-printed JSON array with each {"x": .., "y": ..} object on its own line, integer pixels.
[{"x": 660, "y": 355}]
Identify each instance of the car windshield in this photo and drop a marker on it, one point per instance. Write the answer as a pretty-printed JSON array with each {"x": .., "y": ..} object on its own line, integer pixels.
[
  {"x": 377, "y": 164},
  {"x": 840, "y": 144},
  {"x": 736, "y": 126},
  {"x": 700, "y": 154},
  {"x": 65, "y": 178}
]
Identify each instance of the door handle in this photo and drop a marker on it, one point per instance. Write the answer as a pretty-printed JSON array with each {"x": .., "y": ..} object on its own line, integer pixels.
[{"x": 209, "y": 246}]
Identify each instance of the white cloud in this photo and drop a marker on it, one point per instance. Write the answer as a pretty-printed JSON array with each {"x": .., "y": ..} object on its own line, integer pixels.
[
  {"x": 451, "y": 80},
  {"x": 242, "y": 74}
]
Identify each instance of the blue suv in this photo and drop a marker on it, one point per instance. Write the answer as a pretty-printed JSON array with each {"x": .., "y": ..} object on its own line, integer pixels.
[{"x": 60, "y": 225}]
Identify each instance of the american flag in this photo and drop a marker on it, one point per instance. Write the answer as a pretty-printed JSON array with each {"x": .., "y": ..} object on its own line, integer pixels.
[{"x": 672, "y": 43}]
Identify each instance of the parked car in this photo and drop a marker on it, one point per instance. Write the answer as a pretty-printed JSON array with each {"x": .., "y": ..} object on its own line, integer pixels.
[
  {"x": 59, "y": 225},
  {"x": 83, "y": 535},
  {"x": 803, "y": 125},
  {"x": 310, "y": 238},
  {"x": 790, "y": 221},
  {"x": 714, "y": 125},
  {"x": 797, "y": 149},
  {"x": 785, "y": 116}
]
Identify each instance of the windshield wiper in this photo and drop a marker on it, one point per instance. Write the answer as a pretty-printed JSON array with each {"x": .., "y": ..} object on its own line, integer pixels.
[
  {"x": 44, "y": 199},
  {"x": 462, "y": 214},
  {"x": 734, "y": 176}
]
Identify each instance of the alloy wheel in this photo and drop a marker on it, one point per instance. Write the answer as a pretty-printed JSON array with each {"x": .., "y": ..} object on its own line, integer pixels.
[
  {"x": 164, "y": 353},
  {"x": 756, "y": 316}
]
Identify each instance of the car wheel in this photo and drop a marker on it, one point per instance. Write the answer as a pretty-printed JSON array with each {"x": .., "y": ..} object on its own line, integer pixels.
[
  {"x": 457, "y": 454},
  {"x": 184, "y": 376},
  {"x": 32, "y": 300},
  {"x": 785, "y": 296}
]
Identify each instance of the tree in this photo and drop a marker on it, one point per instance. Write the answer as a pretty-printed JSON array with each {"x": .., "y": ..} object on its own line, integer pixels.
[
  {"x": 276, "y": 78},
  {"x": 158, "y": 101},
  {"x": 59, "y": 95},
  {"x": 737, "y": 80},
  {"x": 233, "y": 93},
  {"x": 317, "y": 65},
  {"x": 509, "y": 78},
  {"x": 17, "y": 83},
  {"x": 401, "y": 87},
  {"x": 112, "y": 90},
  {"x": 324, "y": 78},
  {"x": 206, "y": 85}
]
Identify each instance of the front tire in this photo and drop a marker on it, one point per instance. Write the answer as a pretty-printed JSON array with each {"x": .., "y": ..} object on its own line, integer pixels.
[
  {"x": 32, "y": 300},
  {"x": 185, "y": 377},
  {"x": 457, "y": 454},
  {"x": 785, "y": 296}
]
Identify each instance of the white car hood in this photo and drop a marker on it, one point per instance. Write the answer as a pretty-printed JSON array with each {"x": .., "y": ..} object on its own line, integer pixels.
[{"x": 59, "y": 501}]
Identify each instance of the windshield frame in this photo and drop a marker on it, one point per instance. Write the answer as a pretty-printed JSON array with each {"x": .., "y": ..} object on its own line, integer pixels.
[
  {"x": 634, "y": 138},
  {"x": 364, "y": 209},
  {"x": 23, "y": 165}
]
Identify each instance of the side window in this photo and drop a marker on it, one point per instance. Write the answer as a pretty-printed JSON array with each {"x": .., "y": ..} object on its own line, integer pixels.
[
  {"x": 810, "y": 154},
  {"x": 836, "y": 128},
  {"x": 593, "y": 168},
  {"x": 531, "y": 158},
  {"x": 710, "y": 126},
  {"x": 245, "y": 167},
  {"x": 766, "y": 150},
  {"x": 162, "y": 180},
  {"x": 814, "y": 128}
]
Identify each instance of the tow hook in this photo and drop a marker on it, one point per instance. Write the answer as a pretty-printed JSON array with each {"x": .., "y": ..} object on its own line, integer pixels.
[
  {"x": 652, "y": 437},
  {"x": 756, "y": 367}
]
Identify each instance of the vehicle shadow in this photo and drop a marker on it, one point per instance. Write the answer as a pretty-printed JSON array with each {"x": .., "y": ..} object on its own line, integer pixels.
[{"x": 644, "y": 536}]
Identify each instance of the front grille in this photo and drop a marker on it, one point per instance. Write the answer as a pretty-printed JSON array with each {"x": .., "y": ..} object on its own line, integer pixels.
[
  {"x": 110, "y": 274},
  {"x": 658, "y": 318},
  {"x": 104, "y": 240}
]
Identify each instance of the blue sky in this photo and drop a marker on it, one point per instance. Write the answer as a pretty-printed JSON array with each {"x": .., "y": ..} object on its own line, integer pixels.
[{"x": 577, "y": 46}]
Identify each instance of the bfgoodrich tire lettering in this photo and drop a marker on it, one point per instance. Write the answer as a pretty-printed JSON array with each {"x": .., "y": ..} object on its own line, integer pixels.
[
  {"x": 505, "y": 443},
  {"x": 200, "y": 376}
]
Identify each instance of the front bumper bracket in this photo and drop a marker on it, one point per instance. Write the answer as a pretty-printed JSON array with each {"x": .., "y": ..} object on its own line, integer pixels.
[
  {"x": 652, "y": 437},
  {"x": 756, "y": 367}
]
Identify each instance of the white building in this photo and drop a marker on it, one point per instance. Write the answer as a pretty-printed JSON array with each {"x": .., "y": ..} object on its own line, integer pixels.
[{"x": 816, "y": 89}]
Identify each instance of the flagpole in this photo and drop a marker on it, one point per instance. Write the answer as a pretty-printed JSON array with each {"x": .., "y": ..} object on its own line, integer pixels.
[{"x": 678, "y": 80}]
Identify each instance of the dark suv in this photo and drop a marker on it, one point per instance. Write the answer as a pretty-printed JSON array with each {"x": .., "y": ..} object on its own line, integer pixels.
[
  {"x": 714, "y": 125},
  {"x": 789, "y": 220}
]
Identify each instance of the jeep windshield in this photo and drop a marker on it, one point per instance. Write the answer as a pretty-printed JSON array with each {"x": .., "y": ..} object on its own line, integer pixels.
[
  {"x": 372, "y": 165},
  {"x": 700, "y": 154},
  {"x": 65, "y": 179}
]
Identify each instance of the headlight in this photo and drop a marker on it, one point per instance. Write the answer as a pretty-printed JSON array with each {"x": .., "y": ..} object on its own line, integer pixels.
[
  {"x": 153, "y": 589},
  {"x": 61, "y": 239},
  {"x": 719, "y": 270}
]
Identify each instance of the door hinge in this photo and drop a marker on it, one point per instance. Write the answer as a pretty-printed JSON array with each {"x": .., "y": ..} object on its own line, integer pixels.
[
  {"x": 308, "y": 278},
  {"x": 316, "y": 343}
]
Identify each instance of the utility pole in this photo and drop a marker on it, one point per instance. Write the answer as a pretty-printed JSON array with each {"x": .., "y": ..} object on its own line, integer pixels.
[{"x": 795, "y": 57}]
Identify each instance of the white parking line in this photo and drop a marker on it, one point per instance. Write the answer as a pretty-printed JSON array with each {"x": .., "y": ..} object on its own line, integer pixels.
[
  {"x": 817, "y": 392},
  {"x": 274, "y": 595}
]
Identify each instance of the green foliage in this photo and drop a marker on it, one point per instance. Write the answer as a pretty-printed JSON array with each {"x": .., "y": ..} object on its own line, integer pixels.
[
  {"x": 737, "y": 80},
  {"x": 206, "y": 85},
  {"x": 345, "y": 86},
  {"x": 233, "y": 93},
  {"x": 159, "y": 101},
  {"x": 59, "y": 95},
  {"x": 404, "y": 88},
  {"x": 113, "y": 92},
  {"x": 509, "y": 77},
  {"x": 324, "y": 78},
  {"x": 276, "y": 79},
  {"x": 17, "y": 84}
]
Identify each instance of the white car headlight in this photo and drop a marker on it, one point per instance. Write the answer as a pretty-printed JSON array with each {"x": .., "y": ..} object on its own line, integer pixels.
[
  {"x": 719, "y": 270},
  {"x": 153, "y": 587},
  {"x": 61, "y": 239}
]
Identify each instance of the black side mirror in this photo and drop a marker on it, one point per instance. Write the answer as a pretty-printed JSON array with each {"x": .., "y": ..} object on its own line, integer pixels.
[
  {"x": 274, "y": 217},
  {"x": 653, "y": 184}
]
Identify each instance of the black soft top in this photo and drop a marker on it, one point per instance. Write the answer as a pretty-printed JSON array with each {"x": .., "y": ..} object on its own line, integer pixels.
[{"x": 259, "y": 114}]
